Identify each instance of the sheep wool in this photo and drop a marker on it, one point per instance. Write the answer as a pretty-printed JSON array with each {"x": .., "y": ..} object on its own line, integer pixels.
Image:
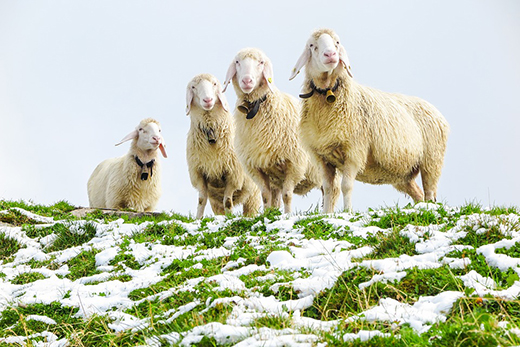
[
  {"x": 267, "y": 139},
  {"x": 132, "y": 181},
  {"x": 366, "y": 134},
  {"x": 213, "y": 165}
]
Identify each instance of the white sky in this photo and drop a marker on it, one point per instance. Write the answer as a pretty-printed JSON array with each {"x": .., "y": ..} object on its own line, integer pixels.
[{"x": 75, "y": 77}]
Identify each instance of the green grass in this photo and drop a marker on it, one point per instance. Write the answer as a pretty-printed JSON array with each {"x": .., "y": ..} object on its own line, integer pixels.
[
  {"x": 59, "y": 210},
  {"x": 34, "y": 231},
  {"x": 392, "y": 245},
  {"x": 82, "y": 265},
  {"x": 124, "y": 258},
  {"x": 67, "y": 237},
  {"x": 397, "y": 218},
  {"x": 513, "y": 252},
  {"x": 15, "y": 218},
  {"x": 474, "y": 323},
  {"x": 27, "y": 277},
  {"x": 503, "y": 279},
  {"x": 8, "y": 247},
  {"x": 12, "y": 320},
  {"x": 185, "y": 280}
]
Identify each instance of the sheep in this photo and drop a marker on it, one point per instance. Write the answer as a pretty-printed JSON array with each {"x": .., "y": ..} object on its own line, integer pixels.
[
  {"x": 213, "y": 165},
  {"x": 134, "y": 180},
  {"x": 267, "y": 140},
  {"x": 362, "y": 133}
]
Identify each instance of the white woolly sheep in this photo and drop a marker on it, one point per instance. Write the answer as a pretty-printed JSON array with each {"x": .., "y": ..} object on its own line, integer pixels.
[
  {"x": 214, "y": 168},
  {"x": 267, "y": 140},
  {"x": 134, "y": 180},
  {"x": 365, "y": 134}
]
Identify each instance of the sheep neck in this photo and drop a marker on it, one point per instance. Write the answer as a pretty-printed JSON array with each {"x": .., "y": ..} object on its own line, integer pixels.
[
  {"x": 251, "y": 108},
  {"x": 326, "y": 92},
  {"x": 325, "y": 80},
  {"x": 146, "y": 168},
  {"x": 144, "y": 155}
]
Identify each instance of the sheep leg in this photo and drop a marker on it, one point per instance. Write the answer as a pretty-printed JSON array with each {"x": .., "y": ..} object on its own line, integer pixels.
[
  {"x": 228, "y": 198},
  {"x": 264, "y": 183},
  {"x": 217, "y": 206},
  {"x": 292, "y": 175},
  {"x": 330, "y": 187},
  {"x": 287, "y": 195},
  {"x": 251, "y": 206},
  {"x": 276, "y": 197},
  {"x": 411, "y": 188},
  {"x": 203, "y": 199},
  {"x": 429, "y": 183},
  {"x": 347, "y": 186}
]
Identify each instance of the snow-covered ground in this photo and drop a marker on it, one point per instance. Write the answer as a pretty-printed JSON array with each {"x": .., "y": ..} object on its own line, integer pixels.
[{"x": 323, "y": 259}]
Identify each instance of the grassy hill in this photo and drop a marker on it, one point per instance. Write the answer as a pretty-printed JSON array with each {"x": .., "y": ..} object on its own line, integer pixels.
[{"x": 424, "y": 275}]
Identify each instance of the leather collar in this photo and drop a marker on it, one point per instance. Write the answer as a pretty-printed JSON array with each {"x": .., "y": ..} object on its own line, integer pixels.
[
  {"x": 251, "y": 107},
  {"x": 144, "y": 168},
  {"x": 329, "y": 92}
]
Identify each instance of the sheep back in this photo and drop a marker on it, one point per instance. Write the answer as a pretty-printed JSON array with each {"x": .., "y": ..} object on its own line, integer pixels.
[{"x": 385, "y": 135}]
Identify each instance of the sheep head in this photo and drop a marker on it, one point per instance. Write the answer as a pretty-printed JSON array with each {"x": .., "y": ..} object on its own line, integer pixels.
[
  {"x": 204, "y": 90},
  {"x": 252, "y": 69},
  {"x": 147, "y": 136},
  {"x": 322, "y": 54}
]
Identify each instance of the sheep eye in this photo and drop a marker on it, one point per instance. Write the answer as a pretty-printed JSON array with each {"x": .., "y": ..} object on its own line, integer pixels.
[
  {"x": 140, "y": 129},
  {"x": 192, "y": 87},
  {"x": 262, "y": 62},
  {"x": 311, "y": 45},
  {"x": 337, "y": 42},
  {"x": 236, "y": 61},
  {"x": 214, "y": 83}
]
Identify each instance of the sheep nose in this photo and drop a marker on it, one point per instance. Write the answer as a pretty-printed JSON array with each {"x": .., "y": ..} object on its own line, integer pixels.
[
  {"x": 156, "y": 138},
  {"x": 247, "y": 80},
  {"x": 330, "y": 54},
  {"x": 207, "y": 100}
]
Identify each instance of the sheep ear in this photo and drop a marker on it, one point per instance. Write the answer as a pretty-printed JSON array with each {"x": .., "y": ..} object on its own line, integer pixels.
[
  {"x": 302, "y": 61},
  {"x": 343, "y": 57},
  {"x": 189, "y": 98},
  {"x": 268, "y": 74},
  {"x": 133, "y": 135},
  {"x": 223, "y": 100},
  {"x": 162, "y": 147},
  {"x": 231, "y": 72}
]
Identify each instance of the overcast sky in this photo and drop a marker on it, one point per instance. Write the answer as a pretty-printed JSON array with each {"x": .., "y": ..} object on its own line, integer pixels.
[{"x": 77, "y": 76}]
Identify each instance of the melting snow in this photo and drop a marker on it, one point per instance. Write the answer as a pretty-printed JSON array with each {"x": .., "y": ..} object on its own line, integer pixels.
[{"x": 322, "y": 261}]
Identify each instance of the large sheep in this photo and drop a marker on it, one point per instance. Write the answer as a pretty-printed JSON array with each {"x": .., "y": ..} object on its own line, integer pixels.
[
  {"x": 214, "y": 168},
  {"x": 267, "y": 140},
  {"x": 134, "y": 180},
  {"x": 363, "y": 133}
]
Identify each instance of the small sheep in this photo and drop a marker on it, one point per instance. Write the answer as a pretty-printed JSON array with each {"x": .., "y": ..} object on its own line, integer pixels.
[
  {"x": 365, "y": 134},
  {"x": 134, "y": 180},
  {"x": 214, "y": 168},
  {"x": 267, "y": 140}
]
